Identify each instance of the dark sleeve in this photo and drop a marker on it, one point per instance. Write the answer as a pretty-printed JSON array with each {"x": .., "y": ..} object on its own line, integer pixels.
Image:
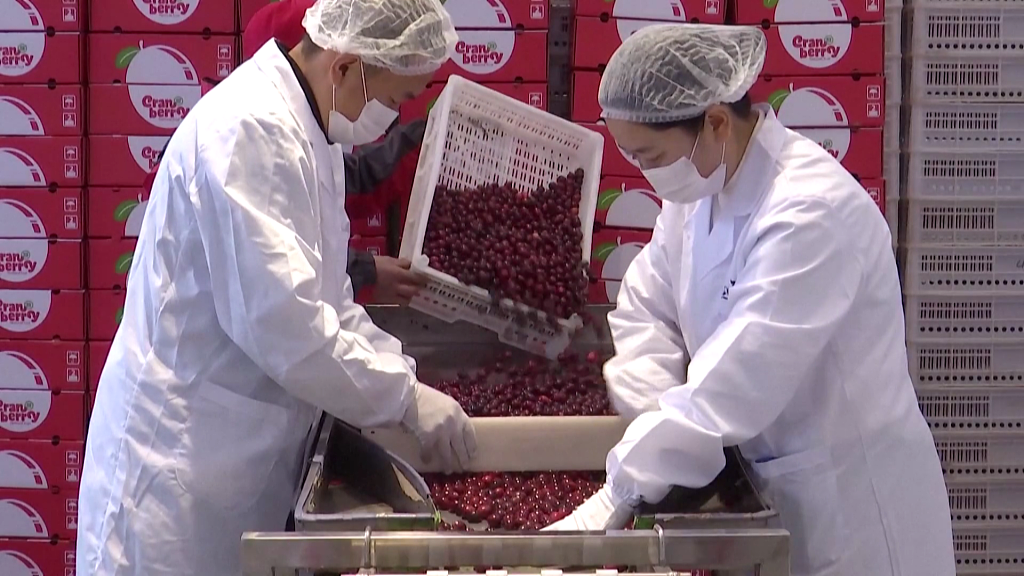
[
  {"x": 370, "y": 165},
  {"x": 362, "y": 268}
]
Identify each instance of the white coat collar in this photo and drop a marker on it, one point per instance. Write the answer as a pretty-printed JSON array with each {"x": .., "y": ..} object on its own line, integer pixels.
[{"x": 753, "y": 175}]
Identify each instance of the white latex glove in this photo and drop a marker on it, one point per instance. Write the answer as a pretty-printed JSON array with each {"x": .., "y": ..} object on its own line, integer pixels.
[
  {"x": 602, "y": 511},
  {"x": 442, "y": 428}
]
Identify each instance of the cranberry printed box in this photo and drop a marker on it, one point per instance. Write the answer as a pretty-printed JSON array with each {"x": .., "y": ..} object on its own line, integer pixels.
[
  {"x": 875, "y": 188},
  {"x": 123, "y": 160},
  {"x": 825, "y": 49},
  {"x": 824, "y": 101},
  {"x": 627, "y": 203},
  {"x": 40, "y": 162},
  {"x": 43, "y": 365},
  {"x": 604, "y": 292},
  {"x": 499, "y": 56},
  {"x": 614, "y": 249},
  {"x": 109, "y": 263},
  {"x": 796, "y": 11},
  {"x": 41, "y": 16},
  {"x": 106, "y": 308},
  {"x": 145, "y": 110},
  {"x": 117, "y": 212},
  {"x": 181, "y": 60},
  {"x": 585, "y": 85},
  {"x": 97, "y": 352},
  {"x": 596, "y": 39},
  {"x": 498, "y": 14},
  {"x": 42, "y": 315},
  {"x": 162, "y": 15},
  {"x": 41, "y": 110},
  {"x": 615, "y": 162},
  {"x": 39, "y": 58},
  {"x": 40, "y": 263},
  {"x": 704, "y": 11},
  {"x": 29, "y": 213},
  {"x": 858, "y": 150},
  {"x": 534, "y": 93},
  {"x": 20, "y": 557},
  {"x": 38, "y": 514},
  {"x": 376, "y": 245},
  {"x": 372, "y": 224},
  {"x": 41, "y": 415},
  {"x": 40, "y": 465}
]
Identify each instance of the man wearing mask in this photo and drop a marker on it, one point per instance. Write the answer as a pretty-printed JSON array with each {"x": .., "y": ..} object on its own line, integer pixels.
[{"x": 239, "y": 320}]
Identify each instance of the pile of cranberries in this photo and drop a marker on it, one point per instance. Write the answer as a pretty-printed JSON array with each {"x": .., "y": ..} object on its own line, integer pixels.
[
  {"x": 512, "y": 500},
  {"x": 526, "y": 246},
  {"x": 573, "y": 386}
]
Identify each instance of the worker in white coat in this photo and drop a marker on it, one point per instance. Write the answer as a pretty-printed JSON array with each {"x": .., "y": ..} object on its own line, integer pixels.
[
  {"x": 765, "y": 313},
  {"x": 239, "y": 321}
]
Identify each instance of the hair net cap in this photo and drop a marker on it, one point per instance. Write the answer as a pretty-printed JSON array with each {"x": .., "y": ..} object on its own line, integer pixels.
[
  {"x": 407, "y": 37},
  {"x": 666, "y": 73}
]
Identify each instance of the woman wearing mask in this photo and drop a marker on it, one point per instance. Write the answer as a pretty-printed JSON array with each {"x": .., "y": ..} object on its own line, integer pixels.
[{"x": 766, "y": 314}]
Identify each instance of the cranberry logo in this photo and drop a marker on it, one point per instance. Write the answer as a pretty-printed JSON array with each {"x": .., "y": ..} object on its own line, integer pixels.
[
  {"x": 167, "y": 12},
  {"x": 19, "y": 470},
  {"x": 19, "y": 416},
  {"x": 164, "y": 110},
  {"x": 19, "y": 220},
  {"x": 19, "y": 315},
  {"x": 14, "y": 563},
  {"x": 479, "y": 53},
  {"x": 484, "y": 51},
  {"x": 18, "y": 118},
  {"x": 162, "y": 83},
  {"x": 146, "y": 150},
  {"x": 816, "y": 45},
  {"x": 21, "y": 372},
  {"x": 835, "y": 141},
  {"x": 19, "y": 520},
  {"x": 16, "y": 56},
  {"x": 19, "y": 169},
  {"x": 17, "y": 265},
  {"x": 816, "y": 48}
]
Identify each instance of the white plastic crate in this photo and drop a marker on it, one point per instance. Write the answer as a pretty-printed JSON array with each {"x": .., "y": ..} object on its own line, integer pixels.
[
  {"x": 967, "y": 127},
  {"x": 999, "y": 502},
  {"x": 966, "y": 363},
  {"x": 980, "y": 456},
  {"x": 985, "y": 77},
  {"x": 964, "y": 222},
  {"x": 980, "y": 409},
  {"x": 893, "y": 28},
  {"x": 965, "y": 174},
  {"x": 477, "y": 136},
  {"x": 968, "y": 25},
  {"x": 893, "y": 79},
  {"x": 943, "y": 317},
  {"x": 891, "y": 130},
  {"x": 964, "y": 269},
  {"x": 989, "y": 550}
]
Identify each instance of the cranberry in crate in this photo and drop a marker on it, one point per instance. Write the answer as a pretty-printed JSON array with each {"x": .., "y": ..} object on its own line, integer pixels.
[{"x": 527, "y": 178}]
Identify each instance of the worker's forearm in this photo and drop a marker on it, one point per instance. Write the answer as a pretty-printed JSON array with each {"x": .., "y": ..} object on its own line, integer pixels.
[{"x": 362, "y": 269}]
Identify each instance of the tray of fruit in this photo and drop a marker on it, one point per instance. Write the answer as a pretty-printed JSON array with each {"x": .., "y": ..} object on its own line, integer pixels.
[{"x": 501, "y": 217}]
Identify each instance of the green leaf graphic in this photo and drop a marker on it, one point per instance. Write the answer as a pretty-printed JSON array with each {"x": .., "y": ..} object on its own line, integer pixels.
[
  {"x": 602, "y": 252},
  {"x": 124, "y": 263},
  {"x": 776, "y": 98},
  {"x": 124, "y": 57},
  {"x": 119, "y": 315},
  {"x": 771, "y": 3},
  {"x": 607, "y": 198},
  {"x": 124, "y": 210},
  {"x": 431, "y": 105}
]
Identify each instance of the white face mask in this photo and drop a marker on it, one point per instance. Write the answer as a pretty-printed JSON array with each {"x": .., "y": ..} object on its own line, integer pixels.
[
  {"x": 680, "y": 182},
  {"x": 372, "y": 123}
]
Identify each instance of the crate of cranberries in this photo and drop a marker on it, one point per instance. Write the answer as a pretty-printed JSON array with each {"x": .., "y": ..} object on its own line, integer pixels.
[{"x": 501, "y": 217}]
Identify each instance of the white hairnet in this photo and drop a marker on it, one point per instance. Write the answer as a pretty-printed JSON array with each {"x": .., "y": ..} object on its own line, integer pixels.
[
  {"x": 671, "y": 72},
  {"x": 407, "y": 37}
]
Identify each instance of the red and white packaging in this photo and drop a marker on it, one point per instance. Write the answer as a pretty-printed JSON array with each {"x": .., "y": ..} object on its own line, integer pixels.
[
  {"x": 162, "y": 16},
  {"x": 40, "y": 162},
  {"x": 604, "y": 292},
  {"x": 97, "y": 352},
  {"x": 106, "y": 308},
  {"x": 499, "y": 56},
  {"x": 28, "y": 213},
  {"x": 376, "y": 245},
  {"x": 825, "y": 49},
  {"x": 247, "y": 9},
  {"x": 53, "y": 365},
  {"x": 37, "y": 58},
  {"x": 614, "y": 249},
  {"x": 123, "y": 160},
  {"x": 858, "y": 150},
  {"x": 534, "y": 93},
  {"x": 160, "y": 58},
  {"x": 824, "y": 101},
  {"x": 615, "y": 163},
  {"x": 109, "y": 263},
  {"x": 42, "y": 15},
  {"x": 585, "y": 85},
  {"x": 627, "y": 203},
  {"x": 145, "y": 110},
  {"x": 38, "y": 263},
  {"x": 596, "y": 39},
  {"x": 41, "y": 415},
  {"x": 117, "y": 212},
  {"x": 40, "y": 465},
  {"x": 38, "y": 514},
  {"x": 41, "y": 110},
  {"x": 37, "y": 558},
  {"x": 42, "y": 315},
  {"x": 498, "y": 14},
  {"x": 797, "y": 11},
  {"x": 682, "y": 11},
  {"x": 875, "y": 188}
]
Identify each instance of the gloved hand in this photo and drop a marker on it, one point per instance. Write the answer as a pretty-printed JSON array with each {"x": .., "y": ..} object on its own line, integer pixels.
[
  {"x": 442, "y": 428},
  {"x": 602, "y": 511}
]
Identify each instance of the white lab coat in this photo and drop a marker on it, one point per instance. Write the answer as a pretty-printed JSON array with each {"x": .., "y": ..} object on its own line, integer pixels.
[
  {"x": 239, "y": 323},
  {"x": 790, "y": 309}
]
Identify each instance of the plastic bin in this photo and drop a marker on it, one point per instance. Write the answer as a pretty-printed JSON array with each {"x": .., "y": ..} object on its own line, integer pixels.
[
  {"x": 989, "y": 550},
  {"x": 980, "y": 456},
  {"x": 476, "y": 136},
  {"x": 966, "y": 363},
  {"x": 945, "y": 317},
  {"x": 955, "y": 222},
  {"x": 965, "y": 174},
  {"x": 980, "y": 409},
  {"x": 967, "y": 127},
  {"x": 968, "y": 25},
  {"x": 982, "y": 77},
  {"x": 964, "y": 269},
  {"x": 982, "y": 501}
]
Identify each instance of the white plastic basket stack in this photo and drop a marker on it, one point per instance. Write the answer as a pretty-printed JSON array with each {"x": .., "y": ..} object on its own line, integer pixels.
[
  {"x": 477, "y": 136},
  {"x": 964, "y": 279}
]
